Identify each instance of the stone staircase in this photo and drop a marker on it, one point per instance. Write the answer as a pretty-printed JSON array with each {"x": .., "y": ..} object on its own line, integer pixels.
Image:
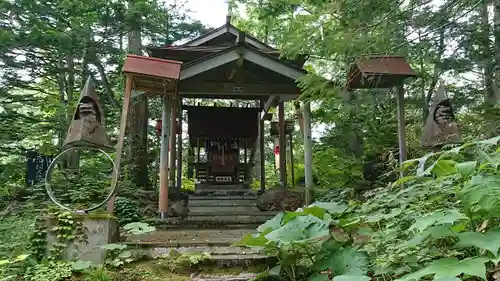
[{"x": 230, "y": 204}]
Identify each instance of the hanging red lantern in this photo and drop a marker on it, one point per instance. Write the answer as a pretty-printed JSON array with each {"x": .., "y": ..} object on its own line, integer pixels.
[
  {"x": 159, "y": 124},
  {"x": 277, "y": 150},
  {"x": 158, "y": 127}
]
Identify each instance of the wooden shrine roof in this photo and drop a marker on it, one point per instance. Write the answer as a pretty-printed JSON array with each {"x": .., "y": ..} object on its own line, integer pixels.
[
  {"x": 379, "y": 72},
  {"x": 155, "y": 75},
  {"x": 190, "y": 53}
]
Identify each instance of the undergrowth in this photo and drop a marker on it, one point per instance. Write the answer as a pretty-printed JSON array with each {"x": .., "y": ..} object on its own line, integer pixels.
[{"x": 441, "y": 222}]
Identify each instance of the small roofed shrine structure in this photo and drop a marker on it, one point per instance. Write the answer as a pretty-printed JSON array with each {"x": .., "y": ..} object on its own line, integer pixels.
[
  {"x": 379, "y": 72},
  {"x": 156, "y": 77},
  {"x": 227, "y": 63}
]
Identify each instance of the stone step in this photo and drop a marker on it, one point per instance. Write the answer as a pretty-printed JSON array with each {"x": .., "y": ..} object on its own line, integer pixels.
[
  {"x": 177, "y": 223},
  {"x": 188, "y": 238},
  {"x": 254, "y": 213},
  {"x": 223, "y": 198},
  {"x": 221, "y": 186},
  {"x": 225, "y": 192},
  {"x": 240, "y": 277},
  {"x": 226, "y": 209},
  {"x": 212, "y": 250},
  {"x": 228, "y": 219},
  {"x": 222, "y": 202}
]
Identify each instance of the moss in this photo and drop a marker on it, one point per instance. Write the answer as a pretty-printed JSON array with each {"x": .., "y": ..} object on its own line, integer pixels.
[
  {"x": 92, "y": 216},
  {"x": 217, "y": 270}
]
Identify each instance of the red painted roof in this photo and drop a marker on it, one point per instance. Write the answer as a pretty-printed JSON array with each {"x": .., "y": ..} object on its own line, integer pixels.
[
  {"x": 150, "y": 66},
  {"x": 393, "y": 65}
]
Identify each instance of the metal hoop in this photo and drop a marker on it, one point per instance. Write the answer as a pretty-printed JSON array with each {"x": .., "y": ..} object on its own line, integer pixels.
[{"x": 113, "y": 180}]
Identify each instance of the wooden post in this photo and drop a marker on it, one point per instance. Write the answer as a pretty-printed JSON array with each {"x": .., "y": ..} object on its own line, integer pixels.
[
  {"x": 119, "y": 146},
  {"x": 190, "y": 167},
  {"x": 179, "y": 152},
  {"x": 173, "y": 131},
  {"x": 292, "y": 181},
  {"x": 400, "y": 99},
  {"x": 308, "y": 173},
  {"x": 163, "y": 192},
  {"x": 282, "y": 141},
  {"x": 262, "y": 152}
]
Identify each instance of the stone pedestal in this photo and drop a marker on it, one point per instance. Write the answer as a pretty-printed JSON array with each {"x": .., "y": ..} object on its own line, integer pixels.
[{"x": 95, "y": 231}]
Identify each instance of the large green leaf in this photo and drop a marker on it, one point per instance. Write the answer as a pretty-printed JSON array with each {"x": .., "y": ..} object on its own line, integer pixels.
[
  {"x": 466, "y": 169},
  {"x": 333, "y": 208},
  {"x": 450, "y": 267},
  {"x": 351, "y": 278},
  {"x": 435, "y": 232},
  {"x": 299, "y": 229},
  {"x": 489, "y": 241},
  {"x": 344, "y": 261},
  {"x": 324, "y": 277},
  {"x": 443, "y": 167},
  {"x": 437, "y": 218},
  {"x": 482, "y": 195},
  {"x": 252, "y": 240},
  {"x": 274, "y": 223}
]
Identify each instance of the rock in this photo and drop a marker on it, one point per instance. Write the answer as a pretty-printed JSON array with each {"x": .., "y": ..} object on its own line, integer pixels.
[
  {"x": 178, "y": 209},
  {"x": 279, "y": 199}
]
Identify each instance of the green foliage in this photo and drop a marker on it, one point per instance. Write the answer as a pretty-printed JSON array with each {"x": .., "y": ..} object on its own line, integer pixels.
[
  {"x": 176, "y": 261},
  {"x": 97, "y": 274},
  {"x": 440, "y": 222},
  {"x": 119, "y": 254},
  {"x": 127, "y": 210},
  {"x": 15, "y": 230},
  {"x": 10, "y": 268},
  {"x": 49, "y": 271}
]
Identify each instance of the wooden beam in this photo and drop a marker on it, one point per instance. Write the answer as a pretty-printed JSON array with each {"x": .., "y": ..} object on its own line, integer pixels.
[
  {"x": 263, "y": 60},
  {"x": 306, "y": 115},
  {"x": 236, "y": 68},
  {"x": 270, "y": 63},
  {"x": 163, "y": 192},
  {"x": 281, "y": 120},
  {"x": 271, "y": 101},
  {"x": 262, "y": 154},
  {"x": 237, "y": 88},
  {"x": 224, "y": 30},
  {"x": 121, "y": 138},
  {"x": 191, "y": 70}
]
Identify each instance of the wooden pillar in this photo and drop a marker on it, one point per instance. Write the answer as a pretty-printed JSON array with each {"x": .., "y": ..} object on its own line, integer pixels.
[
  {"x": 292, "y": 181},
  {"x": 179, "y": 151},
  {"x": 173, "y": 139},
  {"x": 262, "y": 151},
  {"x": 190, "y": 167},
  {"x": 308, "y": 172},
  {"x": 400, "y": 99},
  {"x": 282, "y": 141},
  {"x": 164, "y": 160},
  {"x": 119, "y": 146}
]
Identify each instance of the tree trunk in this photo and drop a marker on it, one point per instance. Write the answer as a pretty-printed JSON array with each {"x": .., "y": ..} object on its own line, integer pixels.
[
  {"x": 435, "y": 75},
  {"x": 138, "y": 123},
  {"x": 496, "y": 35},
  {"x": 488, "y": 70}
]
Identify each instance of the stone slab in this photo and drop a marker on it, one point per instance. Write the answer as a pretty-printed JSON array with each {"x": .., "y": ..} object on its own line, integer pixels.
[
  {"x": 189, "y": 238},
  {"x": 222, "y": 202},
  {"x": 228, "y": 219},
  {"x": 98, "y": 232},
  {"x": 221, "y": 209}
]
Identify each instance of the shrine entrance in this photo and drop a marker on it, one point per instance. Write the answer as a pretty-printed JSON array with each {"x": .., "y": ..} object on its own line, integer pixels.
[
  {"x": 222, "y": 139},
  {"x": 226, "y": 143}
]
